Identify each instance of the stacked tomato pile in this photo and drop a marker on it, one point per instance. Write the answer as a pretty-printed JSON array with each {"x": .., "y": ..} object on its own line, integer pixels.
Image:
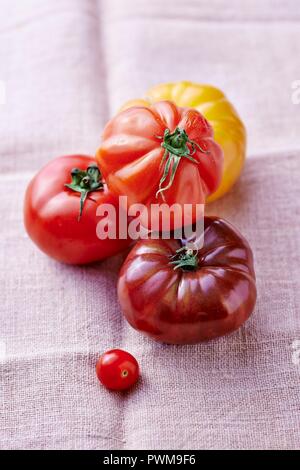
[{"x": 182, "y": 146}]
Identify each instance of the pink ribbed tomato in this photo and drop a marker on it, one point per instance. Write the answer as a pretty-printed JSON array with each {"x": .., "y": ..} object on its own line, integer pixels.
[{"x": 161, "y": 153}]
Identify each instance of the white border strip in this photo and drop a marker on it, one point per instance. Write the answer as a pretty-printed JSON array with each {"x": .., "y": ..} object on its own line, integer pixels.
[{"x": 2, "y": 92}]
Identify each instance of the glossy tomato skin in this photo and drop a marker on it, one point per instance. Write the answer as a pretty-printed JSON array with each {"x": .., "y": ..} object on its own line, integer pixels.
[
  {"x": 229, "y": 130},
  {"x": 51, "y": 215},
  {"x": 186, "y": 307},
  {"x": 117, "y": 370},
  {"x": 131, "y": 157}
]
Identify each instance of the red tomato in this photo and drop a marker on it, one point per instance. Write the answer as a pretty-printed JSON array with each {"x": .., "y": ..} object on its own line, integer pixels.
[
  {"x": 182, "y": 296},
  {"x": 51, "y": 211},
  {"x": 161, "y": 153},
  {"x": 117, "y": 370}
]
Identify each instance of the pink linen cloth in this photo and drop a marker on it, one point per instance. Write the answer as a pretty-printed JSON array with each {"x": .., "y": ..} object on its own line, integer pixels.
[{"x": 65, "y": 67}]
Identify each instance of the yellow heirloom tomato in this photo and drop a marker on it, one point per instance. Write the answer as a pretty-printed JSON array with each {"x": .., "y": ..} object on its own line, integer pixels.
[{"x": 229, "y": 131}]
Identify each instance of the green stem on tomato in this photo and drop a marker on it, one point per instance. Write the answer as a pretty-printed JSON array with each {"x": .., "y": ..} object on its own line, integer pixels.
[
  {"x": 85, "y": 182},
  {"x": 176, "y": 147},
  {"x": 185, "y": 259}
]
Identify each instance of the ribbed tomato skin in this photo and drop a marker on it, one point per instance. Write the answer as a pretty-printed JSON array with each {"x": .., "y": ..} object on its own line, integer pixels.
[{"x": 180, "y": 307}]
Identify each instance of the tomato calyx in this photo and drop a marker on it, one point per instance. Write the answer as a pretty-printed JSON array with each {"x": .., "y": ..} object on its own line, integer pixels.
[
  {"x": 85, "y": 182},
  {"x": 176, "y": 147},
  {"x": 185, "y": 259}
]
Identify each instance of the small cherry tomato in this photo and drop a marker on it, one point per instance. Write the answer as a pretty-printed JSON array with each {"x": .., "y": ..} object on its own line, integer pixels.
[{"x": 117, "y": 370}]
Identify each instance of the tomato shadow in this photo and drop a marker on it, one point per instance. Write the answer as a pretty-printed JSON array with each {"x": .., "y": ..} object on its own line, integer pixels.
[
  {"x": 241, "y": 200},
  {"x": 226, "y": 357},
  {"x": 109, "y": 266}
]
